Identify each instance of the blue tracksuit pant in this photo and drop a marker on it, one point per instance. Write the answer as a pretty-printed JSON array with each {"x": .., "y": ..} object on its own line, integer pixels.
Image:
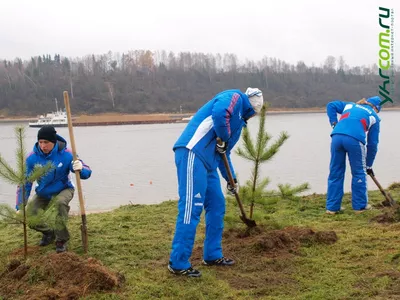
[
  {"x": 342, "y": 144},
  {"x": 197, "y": 188}
]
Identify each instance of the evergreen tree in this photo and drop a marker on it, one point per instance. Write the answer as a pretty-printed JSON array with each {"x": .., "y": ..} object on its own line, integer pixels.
[
  {"x": 19, "y": 177},
  {"x": 259, "y": 152}
]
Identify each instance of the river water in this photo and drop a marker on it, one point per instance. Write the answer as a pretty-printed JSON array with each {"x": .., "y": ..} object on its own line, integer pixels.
[{"x": 135, "y": 163}]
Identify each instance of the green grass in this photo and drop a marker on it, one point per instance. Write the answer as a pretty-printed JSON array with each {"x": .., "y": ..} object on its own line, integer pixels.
[{"x": 363, "y": 264}]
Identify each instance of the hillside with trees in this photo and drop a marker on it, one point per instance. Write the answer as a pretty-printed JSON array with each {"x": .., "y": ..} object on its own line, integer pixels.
[{"x": 141, "y": 81}]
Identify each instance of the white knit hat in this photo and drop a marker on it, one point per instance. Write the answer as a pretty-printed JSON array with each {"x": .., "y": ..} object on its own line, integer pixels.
[{"x": 256, "y": 98}]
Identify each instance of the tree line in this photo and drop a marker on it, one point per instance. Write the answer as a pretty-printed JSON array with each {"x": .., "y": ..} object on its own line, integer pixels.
[{"x": 142, "y": 81}]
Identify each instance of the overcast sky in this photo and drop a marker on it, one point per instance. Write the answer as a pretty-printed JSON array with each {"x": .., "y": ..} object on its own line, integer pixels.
[{"x": 289, "y": 30}]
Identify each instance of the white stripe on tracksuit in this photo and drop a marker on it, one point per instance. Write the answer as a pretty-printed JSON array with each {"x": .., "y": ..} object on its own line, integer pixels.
[
  {"x": 189, "y": 188},
  {"x": 205, "y": 126},
  {"x": 364, "y": 165},
  {"x": 363, "y": 156}
]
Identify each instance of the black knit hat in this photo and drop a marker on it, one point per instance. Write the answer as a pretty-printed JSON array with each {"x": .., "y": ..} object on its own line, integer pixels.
[{"x": 47, "y": 133}]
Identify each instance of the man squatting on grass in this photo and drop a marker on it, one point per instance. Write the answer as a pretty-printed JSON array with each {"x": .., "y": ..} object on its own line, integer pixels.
[
  {"x": 197, "y": 158},
  {"x": 357, "y": 134},
  {"x": 51, "y": 147}
]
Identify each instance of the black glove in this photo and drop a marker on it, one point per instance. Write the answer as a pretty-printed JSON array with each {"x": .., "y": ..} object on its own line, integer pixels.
[
  {"x": 333, "y": 125},
  {"x": 370, "y": 171},
  {"x": 232, "y": 189},
  {"x": 222, "y": 148}
]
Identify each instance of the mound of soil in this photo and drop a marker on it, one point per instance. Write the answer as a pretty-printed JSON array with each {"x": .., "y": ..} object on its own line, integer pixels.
[
  {"x": 263, "y": 257},
  {"x": 277, "y": 242},
  {"x": 390, "y": 215},
  {"x": 56, "y": 276}
]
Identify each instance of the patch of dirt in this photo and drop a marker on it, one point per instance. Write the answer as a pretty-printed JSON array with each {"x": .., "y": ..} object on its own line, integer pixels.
[
  {"x": 32, "y": 251},
  {"x": 390, "y": 215},
  {"x": 277, "y": 242},
  {"x": 56, "y": 276},
  {"x": 394, "y": 275},
  {"x": 264, "y": 257},
  {"x": 12, "y": 265},
  {"x": 392, "y": 289}
]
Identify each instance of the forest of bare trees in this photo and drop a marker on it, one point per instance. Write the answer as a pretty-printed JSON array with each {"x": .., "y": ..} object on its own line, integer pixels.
[{"x": 142, "y": 81}]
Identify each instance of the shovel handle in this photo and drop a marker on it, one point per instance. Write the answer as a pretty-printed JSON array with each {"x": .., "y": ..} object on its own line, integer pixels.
[
  {"x": 231, "y": 180},
  {"x": 387, "y": 197}
]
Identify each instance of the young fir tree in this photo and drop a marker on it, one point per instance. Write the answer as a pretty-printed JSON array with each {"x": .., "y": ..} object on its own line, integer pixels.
[
  {"x": 19, "y": 177},
  {"x": 259, "y": 152}
]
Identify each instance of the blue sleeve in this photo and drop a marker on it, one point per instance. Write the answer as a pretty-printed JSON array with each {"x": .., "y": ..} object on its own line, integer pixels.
[
  {"x": 85, "y": 173},
  {"x": 221, "y": 115},
  {"x": 222, "y": 169},
  {"x": 333, "y": 108},
  {"x": 372, "y": 143},
  {"x": 28, "y": 186}
]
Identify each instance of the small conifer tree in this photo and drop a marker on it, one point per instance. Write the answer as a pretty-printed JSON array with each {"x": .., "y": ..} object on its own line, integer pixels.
[
  {"x": 19, "y": 177},
  {"x": 259, "y": 152}
]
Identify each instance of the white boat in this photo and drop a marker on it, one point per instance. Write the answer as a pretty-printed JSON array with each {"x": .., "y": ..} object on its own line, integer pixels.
[
  {"x": 56, "y": 119},
  {"x": 186, "y": 120}
]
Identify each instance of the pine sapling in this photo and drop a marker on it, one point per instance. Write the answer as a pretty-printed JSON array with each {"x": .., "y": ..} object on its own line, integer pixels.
[
  {"x": 19, "y": 177},
  {"x": 259, "y": 152}
]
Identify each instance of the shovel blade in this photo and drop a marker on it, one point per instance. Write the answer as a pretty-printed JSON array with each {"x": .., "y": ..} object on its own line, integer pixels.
[
  {"x": 84, "y": 238},
  {"x": 250, "y": 223},
  {"x": 389, "y": 201}
]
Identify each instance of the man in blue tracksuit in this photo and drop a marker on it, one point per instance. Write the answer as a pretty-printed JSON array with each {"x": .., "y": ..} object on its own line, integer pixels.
[
  {"x": 52, "y": 148},
  {"x": 357, "y": 134},
  {"x": 197, "y": 158}
]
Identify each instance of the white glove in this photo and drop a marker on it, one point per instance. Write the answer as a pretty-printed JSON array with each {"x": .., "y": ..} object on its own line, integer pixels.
[
  {"x": 222, "y": 148},
  {"x": 232, "y": 189},
  {"x": 77, "y": 165}
]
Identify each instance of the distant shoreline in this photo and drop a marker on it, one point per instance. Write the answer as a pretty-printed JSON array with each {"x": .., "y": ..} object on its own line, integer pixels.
[{"x": 154, "y": 118}]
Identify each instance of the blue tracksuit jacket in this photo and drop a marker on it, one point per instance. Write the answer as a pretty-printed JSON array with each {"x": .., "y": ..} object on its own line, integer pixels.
[
  {"x": 58, "y": 178},
  {"x": 197, "y": 162},
  {"x": 359, "y": 125},
  {"x": 224, "y": 116},
  {"x": 358, "y": 121}
]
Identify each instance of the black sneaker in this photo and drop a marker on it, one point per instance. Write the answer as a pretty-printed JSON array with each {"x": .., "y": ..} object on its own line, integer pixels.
[
  {"x": 190, "y": 272},
  {"x": 219, "y": 262},
  {"x": 61, "y": 246},
  {"x": 47, "y": 238}
]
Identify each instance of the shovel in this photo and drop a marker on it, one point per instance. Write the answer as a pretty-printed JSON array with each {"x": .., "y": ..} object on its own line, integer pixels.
[
  {"x": 389, "y": 200},
  {"x": 250, "y": 223},
  {"x": 78, "y": 178}
]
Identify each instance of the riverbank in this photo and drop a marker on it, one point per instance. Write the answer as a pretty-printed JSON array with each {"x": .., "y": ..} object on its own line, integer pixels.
[
  {"x": 297, "y": 252},
  {"x": 115, "y": 118},
  {"x": 132, "y": 119}
]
